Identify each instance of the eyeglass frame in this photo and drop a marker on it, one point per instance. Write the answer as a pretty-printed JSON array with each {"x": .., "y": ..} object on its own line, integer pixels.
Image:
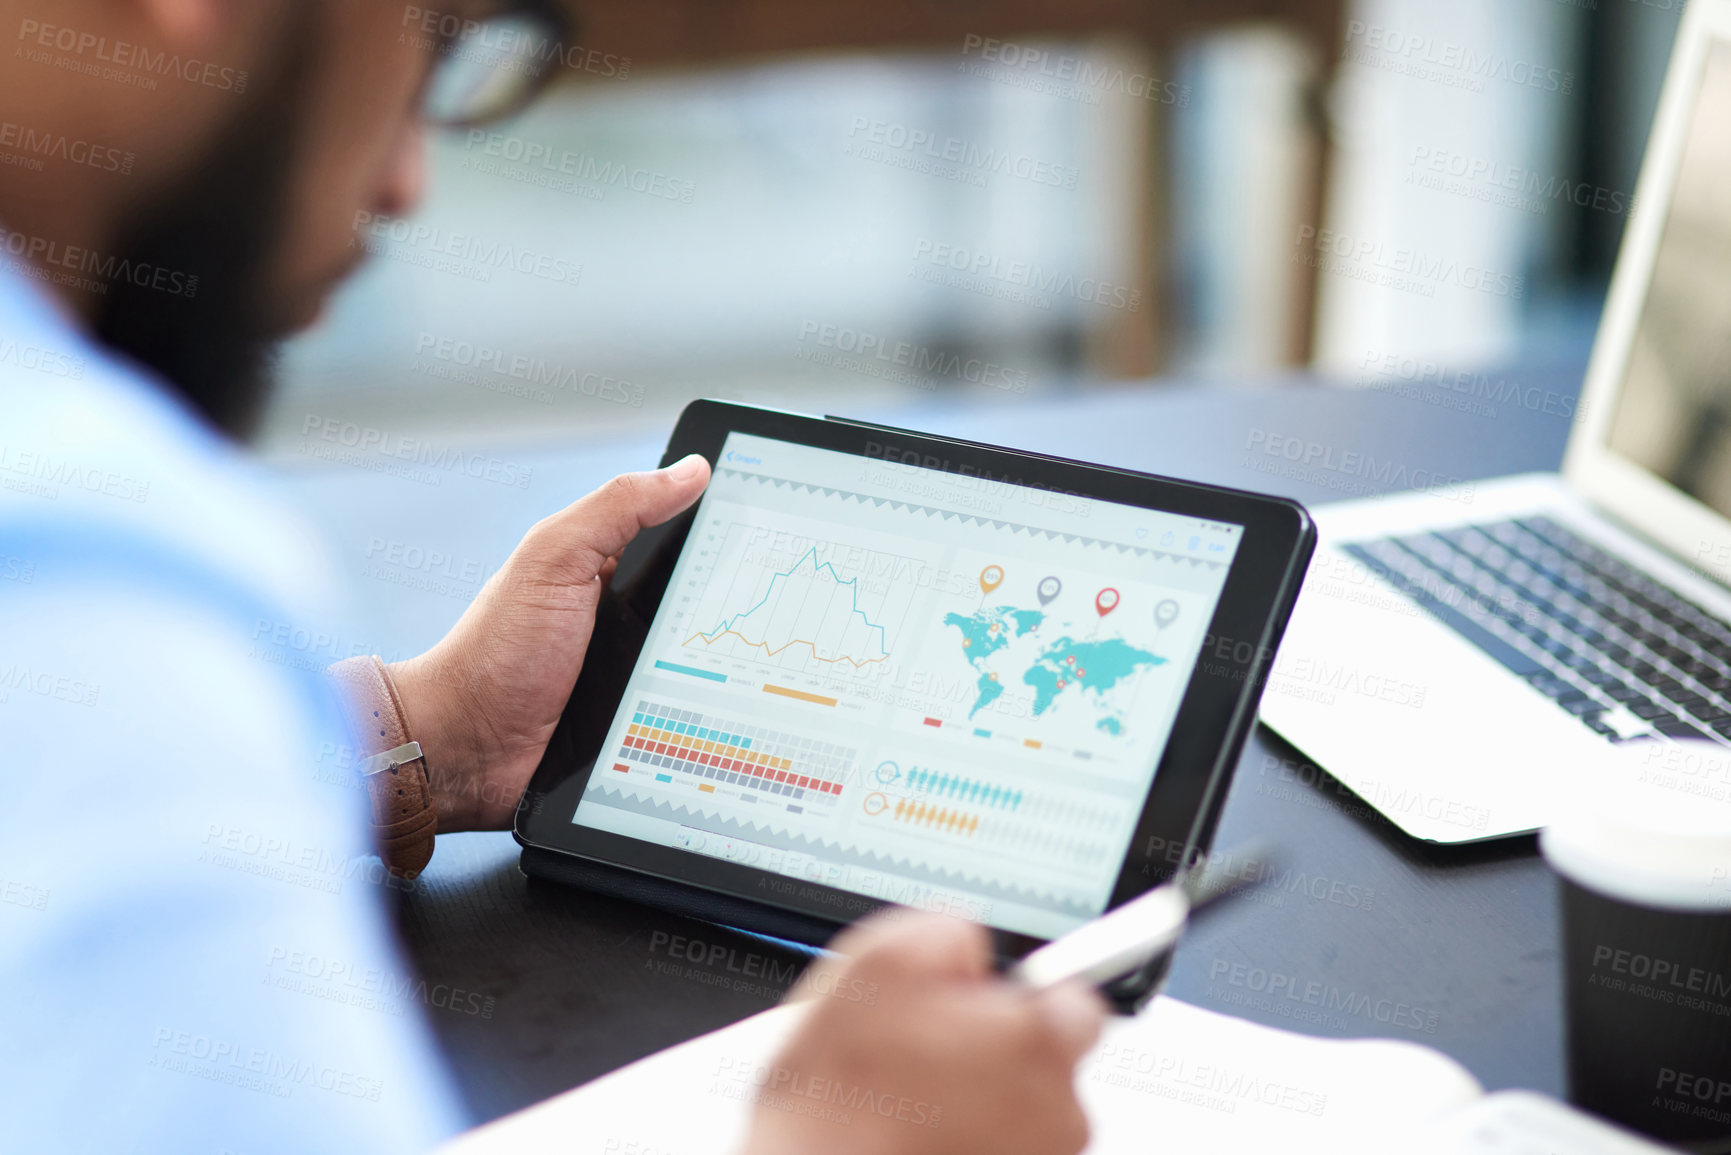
[{"x": 550, "y": 14}]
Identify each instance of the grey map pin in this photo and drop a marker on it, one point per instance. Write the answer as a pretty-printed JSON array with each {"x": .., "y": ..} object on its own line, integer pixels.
[
  {"x": 1165, "y": 613},
  {"x": 1049, "y": 588}
]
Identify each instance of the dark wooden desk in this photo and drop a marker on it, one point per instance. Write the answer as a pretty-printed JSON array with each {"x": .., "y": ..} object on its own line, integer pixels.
[{"x": 1387, "y": 937}]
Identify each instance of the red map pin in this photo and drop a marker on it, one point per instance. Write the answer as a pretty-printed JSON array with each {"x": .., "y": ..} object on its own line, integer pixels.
[{"x": 1106, "y": 601}]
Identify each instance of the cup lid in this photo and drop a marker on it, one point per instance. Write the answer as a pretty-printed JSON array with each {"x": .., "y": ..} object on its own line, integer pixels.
[{"x": 1651, "y": 824}]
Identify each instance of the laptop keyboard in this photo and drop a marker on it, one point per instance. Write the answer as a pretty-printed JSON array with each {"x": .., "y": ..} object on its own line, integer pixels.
[{"x": 1624, "y": 654}]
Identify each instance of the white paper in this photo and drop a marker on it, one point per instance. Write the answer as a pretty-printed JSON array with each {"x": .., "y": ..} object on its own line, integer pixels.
[
  {"x": 1525, "y": 1123},
  {"x": 1175, "y": 1079}
]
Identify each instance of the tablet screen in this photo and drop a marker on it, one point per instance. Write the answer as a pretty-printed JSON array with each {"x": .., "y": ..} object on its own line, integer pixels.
[{"x": 942, "y": 690}]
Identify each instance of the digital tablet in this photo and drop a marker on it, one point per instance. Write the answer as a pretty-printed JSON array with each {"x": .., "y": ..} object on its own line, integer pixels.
[{"x": 878, "y": 667}]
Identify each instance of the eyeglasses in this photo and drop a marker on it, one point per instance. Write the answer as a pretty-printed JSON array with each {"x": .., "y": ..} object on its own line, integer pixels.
[{"x": 489, "y": 68}]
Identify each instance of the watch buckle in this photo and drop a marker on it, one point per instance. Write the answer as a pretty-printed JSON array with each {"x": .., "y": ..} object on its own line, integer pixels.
[{"x": 391, "y": 759}]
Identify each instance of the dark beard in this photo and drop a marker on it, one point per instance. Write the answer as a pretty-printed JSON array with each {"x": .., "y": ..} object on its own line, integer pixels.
[{"x": 222, "y": 221}]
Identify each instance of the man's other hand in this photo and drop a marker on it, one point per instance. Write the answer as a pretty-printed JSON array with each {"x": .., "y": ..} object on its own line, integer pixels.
[
  {"x": 484, "y": 701},
  {"x": 911, "y": 1045}
]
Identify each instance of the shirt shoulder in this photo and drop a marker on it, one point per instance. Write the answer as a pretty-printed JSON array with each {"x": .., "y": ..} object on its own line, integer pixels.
[
  {"x": 181, "y": 834},
  {"x": 93, "y": 444},
  {"x": 184, "y": 847}
]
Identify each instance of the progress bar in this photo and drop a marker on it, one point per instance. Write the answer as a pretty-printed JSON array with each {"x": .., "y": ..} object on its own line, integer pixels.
[
  {"x": 689, "y": 671},
  {"x": 800, "y": 694}
]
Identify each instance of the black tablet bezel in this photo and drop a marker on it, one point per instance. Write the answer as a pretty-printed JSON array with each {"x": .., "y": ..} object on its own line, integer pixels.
[{"x": 1215, "y": 716}]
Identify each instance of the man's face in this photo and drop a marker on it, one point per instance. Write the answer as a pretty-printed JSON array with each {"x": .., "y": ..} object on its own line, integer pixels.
[
  {"x": 362, "y": 153},
  {"x": 266, "y": 215}
]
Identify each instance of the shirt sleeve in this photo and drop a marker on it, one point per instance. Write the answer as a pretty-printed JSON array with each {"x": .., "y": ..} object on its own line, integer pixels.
[{"x": 194, "y": 944}]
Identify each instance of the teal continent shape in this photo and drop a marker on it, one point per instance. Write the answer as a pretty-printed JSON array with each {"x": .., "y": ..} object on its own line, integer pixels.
[
  {"x": 984, "y": 633},
  {"x": 990, "y": 688},
  {"x": 1092, "y": 665},
  {"x": 1095, "y": 665}
]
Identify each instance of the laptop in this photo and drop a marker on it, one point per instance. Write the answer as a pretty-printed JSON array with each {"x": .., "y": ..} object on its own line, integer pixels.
[{"x": 1457, "y": 658}]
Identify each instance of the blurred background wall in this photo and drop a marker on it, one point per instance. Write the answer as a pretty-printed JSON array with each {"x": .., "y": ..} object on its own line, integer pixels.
[{"x": 829, "y": 207}]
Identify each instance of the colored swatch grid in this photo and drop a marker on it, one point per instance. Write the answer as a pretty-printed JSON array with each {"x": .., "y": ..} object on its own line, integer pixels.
[{"x": 669, "y": 739}]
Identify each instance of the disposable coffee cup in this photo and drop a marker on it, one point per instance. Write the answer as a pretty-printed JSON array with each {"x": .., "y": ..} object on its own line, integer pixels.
[{"x": 1644, "y": 856}]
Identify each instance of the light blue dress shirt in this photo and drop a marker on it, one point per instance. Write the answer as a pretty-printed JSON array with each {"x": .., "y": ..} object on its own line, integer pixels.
[{"x": 195, "y": 953}]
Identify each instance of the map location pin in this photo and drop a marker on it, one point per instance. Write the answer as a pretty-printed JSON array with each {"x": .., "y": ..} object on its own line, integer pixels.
[
  {"x": 1106, "y": 601},
  {"x": 991, "y": 578},
  {"x": 1165, "y": 613},
  {"x": 1048, "y": 590}
]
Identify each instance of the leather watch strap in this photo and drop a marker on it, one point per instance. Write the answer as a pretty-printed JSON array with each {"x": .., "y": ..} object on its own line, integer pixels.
[{"x": 395, "y": 773}]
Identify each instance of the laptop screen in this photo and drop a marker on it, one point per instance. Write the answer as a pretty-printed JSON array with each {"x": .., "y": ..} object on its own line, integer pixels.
[{"x": 1673, "y": 412}]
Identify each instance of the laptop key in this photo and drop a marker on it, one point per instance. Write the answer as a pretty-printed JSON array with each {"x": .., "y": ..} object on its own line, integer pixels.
[
  {"x": 1677, "y": 728},
  {"x": 1615, "y": 652},
  {"x": 1668, "y": 686},
  {"x": 1649, "y": 709},
  {"x": 1672, "y": 654},
  {"x": 1689, "y": 700},
  {"x": 1551, "y": 686}
]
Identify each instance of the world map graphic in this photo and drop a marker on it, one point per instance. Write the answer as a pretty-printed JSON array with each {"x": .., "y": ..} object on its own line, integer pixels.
[{"x": 1003, "y": 639}]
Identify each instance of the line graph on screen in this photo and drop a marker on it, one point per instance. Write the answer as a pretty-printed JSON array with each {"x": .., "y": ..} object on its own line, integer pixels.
[{"x": 801, "y": 604}]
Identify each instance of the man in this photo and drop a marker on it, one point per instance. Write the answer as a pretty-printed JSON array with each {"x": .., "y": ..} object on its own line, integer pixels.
[{"x": 179, "y": 182}]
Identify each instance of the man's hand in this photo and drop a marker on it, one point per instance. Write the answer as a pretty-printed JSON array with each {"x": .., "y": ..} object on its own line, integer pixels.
[
  {"x": 484, "y": 701},
  {"x": 912, "y": 1046}
]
